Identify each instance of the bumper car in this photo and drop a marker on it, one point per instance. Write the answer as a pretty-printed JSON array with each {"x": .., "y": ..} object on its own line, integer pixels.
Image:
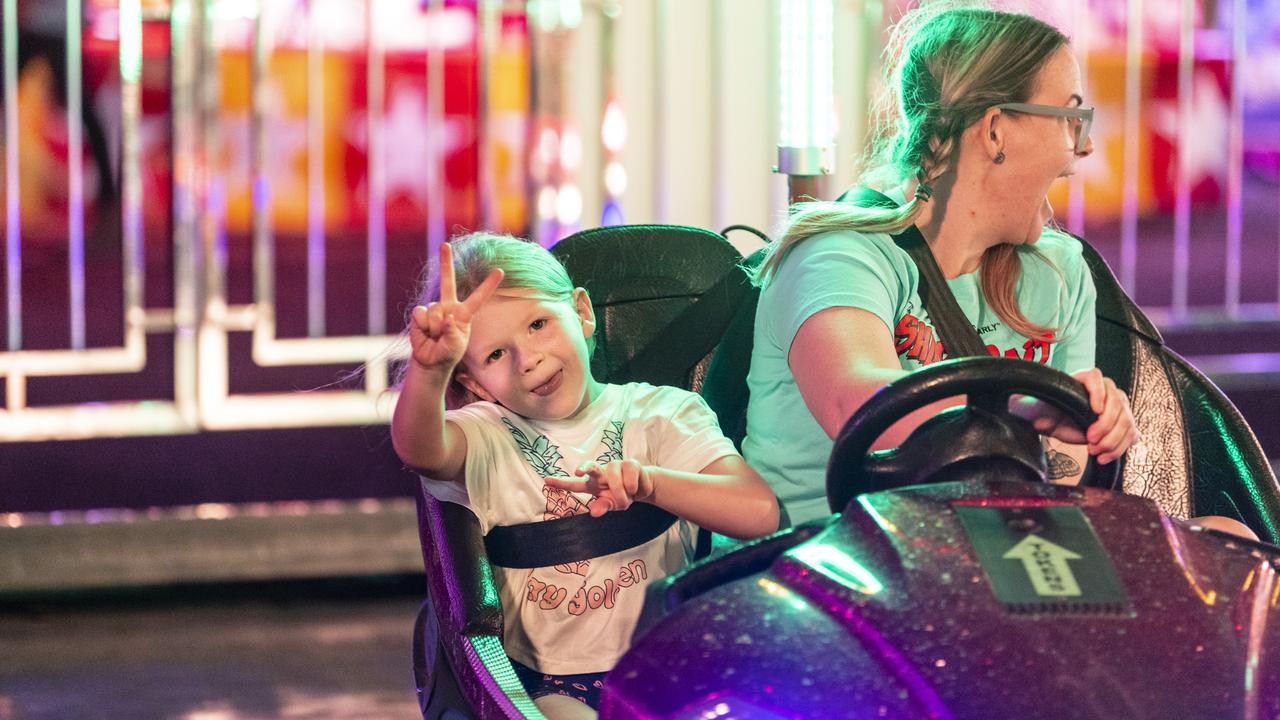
[
  {"x": 951, "y": 580},
  {"x": 957, "y": 583}
]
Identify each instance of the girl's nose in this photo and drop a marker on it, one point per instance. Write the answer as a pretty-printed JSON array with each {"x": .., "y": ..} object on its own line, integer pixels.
[{"x": 529, "y": 359}]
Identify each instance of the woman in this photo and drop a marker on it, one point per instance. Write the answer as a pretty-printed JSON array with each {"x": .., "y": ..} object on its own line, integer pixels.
[{"x": 989, "y": 115}]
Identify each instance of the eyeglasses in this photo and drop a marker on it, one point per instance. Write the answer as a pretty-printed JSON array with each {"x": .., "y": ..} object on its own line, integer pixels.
[{"x": 1081, "y": 117}]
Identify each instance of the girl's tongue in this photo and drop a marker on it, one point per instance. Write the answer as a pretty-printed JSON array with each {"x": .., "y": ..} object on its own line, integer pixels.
[{"x": 550, "y": 385}]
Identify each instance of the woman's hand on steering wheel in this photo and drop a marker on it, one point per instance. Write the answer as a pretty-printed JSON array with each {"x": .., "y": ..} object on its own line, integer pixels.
[{"x": 1109, "y": 436}]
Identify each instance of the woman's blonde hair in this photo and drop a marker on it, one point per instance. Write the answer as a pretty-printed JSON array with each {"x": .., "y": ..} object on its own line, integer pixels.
[
  {"x": 949, "y": 65},
  {"x": 525, "y": 266}
]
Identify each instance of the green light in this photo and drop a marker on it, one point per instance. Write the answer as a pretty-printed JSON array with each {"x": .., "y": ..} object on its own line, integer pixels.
[
  {"x": 838, "y": 566},
  {"x": 1240, "y": 463},
  {"x": 544, "y": 13},
  {"x": 805, "y": 73},
  {"x": 880, "y": 520},
  {"x": 570, "y": 13},
  {"x": 489, "y": 651},
  {"x": 131, "y": 39}
]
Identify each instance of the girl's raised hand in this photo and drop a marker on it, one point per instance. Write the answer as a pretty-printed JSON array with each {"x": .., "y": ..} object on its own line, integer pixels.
[
  {"x": 439, "y": 332},
  {"x": 613, "y": 486}
]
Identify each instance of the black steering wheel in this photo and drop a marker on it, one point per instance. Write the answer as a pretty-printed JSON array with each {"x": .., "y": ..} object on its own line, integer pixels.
[{"x": 980, "y": 440}]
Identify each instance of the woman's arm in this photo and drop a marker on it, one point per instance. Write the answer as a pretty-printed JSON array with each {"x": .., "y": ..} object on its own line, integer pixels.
[
  {"x": 727, "y": 496},
  {"x": 1066, "y": 461},
  {"x": 842, "y": 356},
  {"x": 1107, "y": 438}
]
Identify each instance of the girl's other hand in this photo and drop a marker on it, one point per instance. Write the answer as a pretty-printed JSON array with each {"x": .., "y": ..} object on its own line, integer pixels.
[
  {"x": 439, "y": 332},
  {"x": 613, "y": 486}
]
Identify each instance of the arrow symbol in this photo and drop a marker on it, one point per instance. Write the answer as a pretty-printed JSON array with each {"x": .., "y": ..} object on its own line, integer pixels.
[{"x": 1046, "y": 565}]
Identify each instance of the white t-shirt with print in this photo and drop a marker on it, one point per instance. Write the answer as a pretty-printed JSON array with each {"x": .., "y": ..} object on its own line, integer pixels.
[{"x": 578, "y": 618}]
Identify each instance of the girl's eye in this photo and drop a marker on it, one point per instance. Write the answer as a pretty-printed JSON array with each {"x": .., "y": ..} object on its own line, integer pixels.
[
  {"x": 538, "y": 324},
  {"x": 494, "y": 357}
]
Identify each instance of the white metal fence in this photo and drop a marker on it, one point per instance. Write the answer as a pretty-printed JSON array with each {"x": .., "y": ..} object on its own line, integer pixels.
[{"x": 685, "y": 94}]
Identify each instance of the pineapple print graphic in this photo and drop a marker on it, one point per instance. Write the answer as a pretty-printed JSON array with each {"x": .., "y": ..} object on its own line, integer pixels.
[
  {"x": 545, "y": 459},
  {"x": 613, "y": 442}
]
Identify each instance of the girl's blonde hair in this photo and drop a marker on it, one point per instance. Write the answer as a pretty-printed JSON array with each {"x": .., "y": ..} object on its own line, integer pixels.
[
  {"x": 949, "y": 65},
  {"x": 525, "y": 266}
]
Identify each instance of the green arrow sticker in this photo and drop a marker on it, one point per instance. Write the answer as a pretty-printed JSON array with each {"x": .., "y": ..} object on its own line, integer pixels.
[
  {"x": 1046, "y": 565},
  {"x": 1043, "y": 558}
]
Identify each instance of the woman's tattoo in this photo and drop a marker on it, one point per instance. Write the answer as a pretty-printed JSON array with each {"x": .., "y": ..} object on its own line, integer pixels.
[{"x": 1061, "y": 465}]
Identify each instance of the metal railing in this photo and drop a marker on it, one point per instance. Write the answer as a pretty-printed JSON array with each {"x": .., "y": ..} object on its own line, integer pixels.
[
  {"x": 200, "y": 318},
  {"x": 694, "y": 81}
]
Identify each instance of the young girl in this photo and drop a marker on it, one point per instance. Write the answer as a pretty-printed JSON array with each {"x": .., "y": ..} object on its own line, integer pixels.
[{"x": 530, "y": 435}]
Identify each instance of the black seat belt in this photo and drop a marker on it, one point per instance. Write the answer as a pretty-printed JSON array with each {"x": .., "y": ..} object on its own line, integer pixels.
[
  {"x": 575, "y": 538},
  {"x": 959, "y": 338},
  {"x": 695, "y": 331}
]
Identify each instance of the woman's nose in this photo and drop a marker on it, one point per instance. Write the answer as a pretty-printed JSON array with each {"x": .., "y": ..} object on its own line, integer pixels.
[{"x": 1087, "y": 150}]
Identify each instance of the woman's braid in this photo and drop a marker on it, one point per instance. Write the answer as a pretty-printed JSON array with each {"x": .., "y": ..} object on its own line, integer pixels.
[{"x": 936, "y": 142}]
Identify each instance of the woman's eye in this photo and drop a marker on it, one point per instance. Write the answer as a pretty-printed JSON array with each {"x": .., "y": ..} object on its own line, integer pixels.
[
  {"x": 494, "y": 356},
  {"x": 538, "y": 324}
]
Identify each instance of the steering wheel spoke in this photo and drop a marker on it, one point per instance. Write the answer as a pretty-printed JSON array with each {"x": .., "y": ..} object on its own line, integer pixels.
[
  {"x": 993, "y": 402},
  {"x": 882, "y": 462}
]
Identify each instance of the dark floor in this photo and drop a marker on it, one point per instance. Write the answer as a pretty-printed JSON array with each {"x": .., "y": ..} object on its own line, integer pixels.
[{"x": 213, "y": 654}]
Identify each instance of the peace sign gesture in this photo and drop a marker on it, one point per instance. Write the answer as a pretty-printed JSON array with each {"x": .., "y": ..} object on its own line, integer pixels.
[{"x": 439, "y": 332}]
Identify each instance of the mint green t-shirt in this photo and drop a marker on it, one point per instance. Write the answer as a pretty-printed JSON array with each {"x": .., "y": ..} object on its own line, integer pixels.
[{"x": 868, "y": 271}]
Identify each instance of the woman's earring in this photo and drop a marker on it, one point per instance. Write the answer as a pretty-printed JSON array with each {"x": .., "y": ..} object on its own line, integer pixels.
[{"x": 999, "y": 158}]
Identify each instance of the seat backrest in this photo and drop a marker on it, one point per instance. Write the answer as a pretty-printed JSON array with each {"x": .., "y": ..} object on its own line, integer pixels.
[
  {"x": 725, "y": 385},
  {"x": 1197, "y": 455},
  {"x": 663, "y": 296}
]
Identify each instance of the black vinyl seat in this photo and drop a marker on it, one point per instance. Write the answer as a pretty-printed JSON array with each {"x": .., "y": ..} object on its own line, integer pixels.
[
  {"x": 724, "y": 386},
  {"x": 1197, "y": 456},
  {"x": 663, "y": 296}
]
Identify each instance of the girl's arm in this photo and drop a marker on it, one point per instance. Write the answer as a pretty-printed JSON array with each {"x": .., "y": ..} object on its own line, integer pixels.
[
  {"x": 423, "y": 439},
  {"x": 727, "y": 496},
  {"x": 438, "y": 336}
]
